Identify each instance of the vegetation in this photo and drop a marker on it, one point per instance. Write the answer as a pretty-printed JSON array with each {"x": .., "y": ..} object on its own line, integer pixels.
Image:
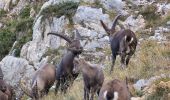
[
  {"x": 7, "y": 39},
  {"x": 2, "y": 13},
  {"x": 65, "y": 8},
  {"x": 16, "y": 29},
  {"x": 161, "y": 93},
  {"x": 150, "y": 15}
]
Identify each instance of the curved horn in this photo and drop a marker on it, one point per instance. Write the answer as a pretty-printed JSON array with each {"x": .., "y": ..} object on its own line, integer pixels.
[
  {"x": 114, "y": 22},
  {"x": 105, "y": 27},
  {"x": 77, "y": 35},
  {"x": 1, "y": 74},
  {"x": 62, "y": 36},
  {"x": 24, "y": 89}
]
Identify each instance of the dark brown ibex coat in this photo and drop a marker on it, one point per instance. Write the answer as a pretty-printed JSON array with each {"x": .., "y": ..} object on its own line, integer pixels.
[
  {"x": 114, "y": 90},
  {"x": 93, "y": 77},
  {"x": 42, "y": 81},
  {"x": 64, "y": 69},
  {"x": 123, "y": 43}
]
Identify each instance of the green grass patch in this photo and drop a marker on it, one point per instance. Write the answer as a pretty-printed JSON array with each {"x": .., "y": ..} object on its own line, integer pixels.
[{"x": 25, "y": 13}]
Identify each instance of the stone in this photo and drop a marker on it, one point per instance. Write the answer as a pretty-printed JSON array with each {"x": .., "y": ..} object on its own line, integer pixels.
[
  {"x": 15, "y": 69},
  {"x": 34, "y": 50},
  {"x": 168, "y": 23},
  {"x": 134, "y": 24},
  {"x": 140, "y": 84},
  {"x": 2, "y": 4}
]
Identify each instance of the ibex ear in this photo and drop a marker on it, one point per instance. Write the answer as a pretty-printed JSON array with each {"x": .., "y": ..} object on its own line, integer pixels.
[{"x": 105, "y": 27}]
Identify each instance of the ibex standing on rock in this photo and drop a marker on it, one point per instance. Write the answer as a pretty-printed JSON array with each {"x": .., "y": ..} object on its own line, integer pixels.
[
  {"x": 64, "y": 70},
  {"x": 42, "y": 81},
  {"x": 122, "y": 43},
  {"x": 114, "y": 90},
  {"x": 92, "y": 75}
]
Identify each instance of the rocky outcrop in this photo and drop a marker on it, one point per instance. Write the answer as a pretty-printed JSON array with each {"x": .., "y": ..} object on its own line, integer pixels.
[
  {"x": 33, "y": 50},
  {"x": 14, "y": 70},
  {"x": 135, "y": 23}
]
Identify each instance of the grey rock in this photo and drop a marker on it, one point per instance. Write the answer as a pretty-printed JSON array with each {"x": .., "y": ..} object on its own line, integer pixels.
[
  {"x": 2, "y": 4},
  {"x": 134, "y": 24},
  {"x": 140, "y": 84},
  {"x": 15, "y": 69},
  {"x": 168, "y": 23},
  {"x": 34, "y": 50}
]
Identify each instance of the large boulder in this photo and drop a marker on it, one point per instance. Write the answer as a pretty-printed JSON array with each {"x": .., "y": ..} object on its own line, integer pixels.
[
  {"x": 89, "y": 26},
  {"x": 34, "y": 50},
  {"x": 15, "y": 69}
]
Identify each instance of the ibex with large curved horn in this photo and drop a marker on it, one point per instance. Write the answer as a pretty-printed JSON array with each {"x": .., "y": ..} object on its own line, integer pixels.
[
  {"x": 64, "y": 69},
  {"x": 42, "y": 81},
  {"x": 122, "y": 42}
]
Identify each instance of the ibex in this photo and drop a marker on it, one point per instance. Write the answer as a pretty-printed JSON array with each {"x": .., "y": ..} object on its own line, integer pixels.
[
  {"x": 114, "y": 90},
  {"x": 65, "y": 75},
  {"x": 122, "y": 43},
  {"x": 42, "y": 81},
  {"x": 93, "y": 77}
]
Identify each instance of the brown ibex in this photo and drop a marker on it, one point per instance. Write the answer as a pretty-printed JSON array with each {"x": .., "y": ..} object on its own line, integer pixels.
[
  {"x": 64, "y": 69},
  {"x": 122, "y": 43},
  {"x": 42, "y": 81},
  {"x": 93, "y": 77},
  {"x": 114, "y": 90}
]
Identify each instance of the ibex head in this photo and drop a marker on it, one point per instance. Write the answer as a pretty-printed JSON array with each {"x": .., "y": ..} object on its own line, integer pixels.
[
  {"x": 78, "y": 64},
  {"x": 74, "y": 45},
  {"x": 111, "y": 31}
]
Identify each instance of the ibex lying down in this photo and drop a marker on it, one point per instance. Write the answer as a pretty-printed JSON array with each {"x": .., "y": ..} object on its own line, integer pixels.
[
  {"x": 114, "y": 90},
  {"x": 92, "y": 75},
  {"x": 122, "y": 42},
  {"x": 6, "y": 91},
  {"x": 65, "y": 75},
  {"x": 42, "y": 81}
]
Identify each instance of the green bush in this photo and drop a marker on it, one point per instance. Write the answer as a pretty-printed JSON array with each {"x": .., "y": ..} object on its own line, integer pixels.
[
  {"x": 65, "y": 8},
  {"x": 25, "y": 13},
  {"x": 7, "y": 39},
  {"x": 150, "y": 15},
  {"x": 24, "y": 25}
]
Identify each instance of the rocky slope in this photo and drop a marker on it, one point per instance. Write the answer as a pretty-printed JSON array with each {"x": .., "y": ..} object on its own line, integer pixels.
[{"x": 31, "y": 20}]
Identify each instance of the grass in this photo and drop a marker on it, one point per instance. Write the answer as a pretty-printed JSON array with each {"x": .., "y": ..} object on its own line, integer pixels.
[{"x": 150, "y": 60}]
